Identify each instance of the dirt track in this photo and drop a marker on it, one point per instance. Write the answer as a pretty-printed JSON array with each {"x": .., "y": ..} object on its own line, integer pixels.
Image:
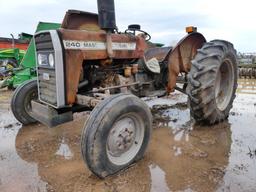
[{"x": 181, "y": 156}]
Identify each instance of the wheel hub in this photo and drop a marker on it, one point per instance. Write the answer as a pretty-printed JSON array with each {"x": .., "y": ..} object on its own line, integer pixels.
[
  {"x": 121, "y": 137},
  {"x": 27, "y": 102},
  {"x": 224, "y": 85},
  {"x": 125, "y": 138}
]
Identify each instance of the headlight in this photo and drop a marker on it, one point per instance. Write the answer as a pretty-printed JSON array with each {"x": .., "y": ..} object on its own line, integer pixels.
[
  {"x": 42, "y": 59},
  {"x": 51, "y": 60},
  {"x": 39, "y": 59}
]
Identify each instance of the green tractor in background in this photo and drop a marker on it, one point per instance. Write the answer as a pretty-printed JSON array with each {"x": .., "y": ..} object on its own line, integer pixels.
[
  {"x": 10, "y": 59},
  {"x": 15, "y": 74},
  {"x": 12, "y": 52}
]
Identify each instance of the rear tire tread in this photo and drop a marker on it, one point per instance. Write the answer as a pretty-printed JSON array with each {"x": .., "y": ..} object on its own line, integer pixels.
[{"x": 202, "y": 81}]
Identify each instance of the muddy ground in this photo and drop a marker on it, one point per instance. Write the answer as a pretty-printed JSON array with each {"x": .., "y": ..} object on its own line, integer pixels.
[{"x": 181, "y": 155}]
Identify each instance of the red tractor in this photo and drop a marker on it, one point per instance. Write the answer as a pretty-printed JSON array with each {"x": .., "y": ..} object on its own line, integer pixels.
[{"x": 88, "y": 64}]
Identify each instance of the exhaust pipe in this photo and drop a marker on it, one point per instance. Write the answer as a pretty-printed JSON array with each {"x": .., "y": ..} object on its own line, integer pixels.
[
  {"x": 13, "y": 41},
  {"x": 107, "y": 18}
]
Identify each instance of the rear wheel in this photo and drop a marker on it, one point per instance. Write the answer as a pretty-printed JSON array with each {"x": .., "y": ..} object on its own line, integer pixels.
[
  {"x": 212, "y": 82},
  {"x": 116, "y": 134},
  {"x": 21, "y": 101}
]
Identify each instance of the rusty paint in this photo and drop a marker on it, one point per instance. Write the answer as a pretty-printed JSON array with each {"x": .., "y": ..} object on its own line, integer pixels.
[
  {"x": 109, "y": 45},
  {"x": 80, "y": 20},
  {"x": 74, "y": 58},
  {"x": 83, "y": 26},
  {"x": 181, "y": 56}
]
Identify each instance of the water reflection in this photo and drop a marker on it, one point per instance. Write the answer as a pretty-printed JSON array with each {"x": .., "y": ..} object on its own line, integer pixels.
[
  {"x": 64, "y": 150},
  {"x": 198, "y": 164},
  {"x": 240, "y": 174},
  {"x": 192, "y": 157},
  {"x": 181, "y": 156},
  {"x": 158, "y": 180},
  {"x": 15, "y": 173},
  {"x": 55, "y": 151},
  {"x": 47, "y": 147},
  {"x": 224, "y": 165}
]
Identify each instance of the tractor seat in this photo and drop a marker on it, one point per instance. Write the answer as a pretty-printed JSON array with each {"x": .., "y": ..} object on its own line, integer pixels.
[
  {"x": 153, "y": 65},
  {"x": 153, "y": 58}
]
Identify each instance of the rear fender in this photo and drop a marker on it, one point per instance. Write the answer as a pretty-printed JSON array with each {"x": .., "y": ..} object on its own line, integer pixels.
[{"x": 180, "y": 58}]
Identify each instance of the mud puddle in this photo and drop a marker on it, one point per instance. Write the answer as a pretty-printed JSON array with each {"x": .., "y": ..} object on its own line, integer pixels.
[
  {"x": 181, "y": 156},
  {"x": 15, "y": 173}
]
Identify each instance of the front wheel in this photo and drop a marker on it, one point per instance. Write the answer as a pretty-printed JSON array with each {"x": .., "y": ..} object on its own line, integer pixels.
[
  {"x": 212, "y": 82},
  {"x": 116, "y": 134},
  {"x": 21, "y": 101}
]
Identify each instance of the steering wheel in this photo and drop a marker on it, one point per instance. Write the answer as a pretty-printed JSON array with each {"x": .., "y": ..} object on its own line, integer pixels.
[{"x": 133, "y": 30}]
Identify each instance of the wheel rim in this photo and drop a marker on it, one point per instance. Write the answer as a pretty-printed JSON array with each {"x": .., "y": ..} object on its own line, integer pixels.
[
  {"x": 27, "y": 101},
  {"x": 224, "y": 85},
  {"x": 125, "y": 139}
]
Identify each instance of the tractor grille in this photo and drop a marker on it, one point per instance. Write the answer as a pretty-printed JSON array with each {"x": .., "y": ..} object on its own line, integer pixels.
[
  {"x": 47, "y": 88},
  {"x": 46, "y": 75},
  {"x": 43, "y": 42}
]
